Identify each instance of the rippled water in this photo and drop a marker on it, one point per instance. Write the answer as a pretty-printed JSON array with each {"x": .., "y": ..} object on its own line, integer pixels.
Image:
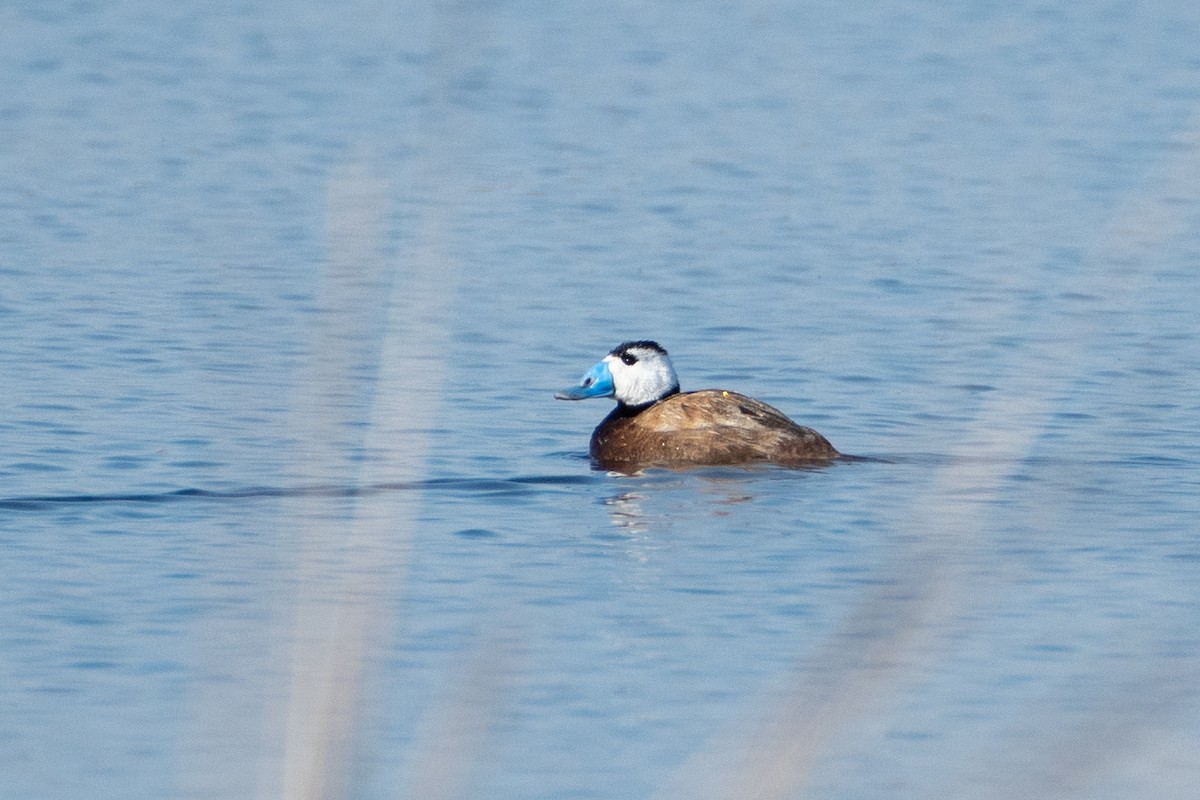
[{"x": 288, "y": 507}]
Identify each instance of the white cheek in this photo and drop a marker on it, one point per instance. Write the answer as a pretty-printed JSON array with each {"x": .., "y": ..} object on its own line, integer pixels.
[{"x": 627, "y": 379}]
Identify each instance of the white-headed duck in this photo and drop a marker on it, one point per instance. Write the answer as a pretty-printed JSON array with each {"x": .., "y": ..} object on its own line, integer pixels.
[{"x": 656, "y": 425}]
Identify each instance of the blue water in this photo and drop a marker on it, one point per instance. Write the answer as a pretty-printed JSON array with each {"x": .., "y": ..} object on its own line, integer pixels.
[{"x": 288, "y": 509}]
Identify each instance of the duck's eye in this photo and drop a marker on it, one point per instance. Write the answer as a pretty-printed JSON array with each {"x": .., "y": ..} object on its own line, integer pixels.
[{"x": 628, "y": 359}]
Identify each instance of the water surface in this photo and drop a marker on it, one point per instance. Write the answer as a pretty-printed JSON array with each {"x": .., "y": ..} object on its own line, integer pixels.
[{"x": 289, "y": 509}]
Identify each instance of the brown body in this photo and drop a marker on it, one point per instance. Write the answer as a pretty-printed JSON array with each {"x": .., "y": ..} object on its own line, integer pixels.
[{"x": 709, "y": 427}]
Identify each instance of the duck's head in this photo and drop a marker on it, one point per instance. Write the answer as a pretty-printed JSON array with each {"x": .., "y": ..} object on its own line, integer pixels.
[{"x": 635, "y": 373}]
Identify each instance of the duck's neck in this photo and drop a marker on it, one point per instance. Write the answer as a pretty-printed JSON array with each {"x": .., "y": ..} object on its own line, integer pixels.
[{"x": 624, "y": 409}]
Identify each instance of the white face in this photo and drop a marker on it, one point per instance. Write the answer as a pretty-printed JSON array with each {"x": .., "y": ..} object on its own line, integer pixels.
[{"x": 641, "y": 375}]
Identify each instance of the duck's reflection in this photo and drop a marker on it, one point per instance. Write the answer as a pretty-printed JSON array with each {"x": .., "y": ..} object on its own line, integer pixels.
[{"x": 627, "y": 510}]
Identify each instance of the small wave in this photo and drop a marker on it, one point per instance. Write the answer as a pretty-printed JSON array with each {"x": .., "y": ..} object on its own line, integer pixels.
[{"x": 473, "y": 486}]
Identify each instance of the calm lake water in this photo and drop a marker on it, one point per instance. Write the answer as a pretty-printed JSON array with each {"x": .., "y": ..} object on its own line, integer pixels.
[{"x": 288, "y": 509}]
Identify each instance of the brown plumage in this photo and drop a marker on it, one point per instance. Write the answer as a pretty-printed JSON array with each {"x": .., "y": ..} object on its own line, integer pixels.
[{"x": 708, "y": 427}]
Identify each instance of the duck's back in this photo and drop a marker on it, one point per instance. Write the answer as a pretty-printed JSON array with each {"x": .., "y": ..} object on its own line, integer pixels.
[{"x": 709, "y": 427}]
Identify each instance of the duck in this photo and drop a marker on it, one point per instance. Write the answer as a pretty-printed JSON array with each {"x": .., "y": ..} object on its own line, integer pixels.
[{"x": 655, "y": 424}]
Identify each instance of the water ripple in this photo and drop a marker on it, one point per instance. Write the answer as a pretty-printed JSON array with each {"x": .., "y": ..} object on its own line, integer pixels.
[{"x": 468, "y": 486}]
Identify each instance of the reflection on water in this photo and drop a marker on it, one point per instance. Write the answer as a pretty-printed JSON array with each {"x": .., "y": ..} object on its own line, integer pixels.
[
  {"x": 709, "y": 491},
  {"x": 625, "y": 509}
]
